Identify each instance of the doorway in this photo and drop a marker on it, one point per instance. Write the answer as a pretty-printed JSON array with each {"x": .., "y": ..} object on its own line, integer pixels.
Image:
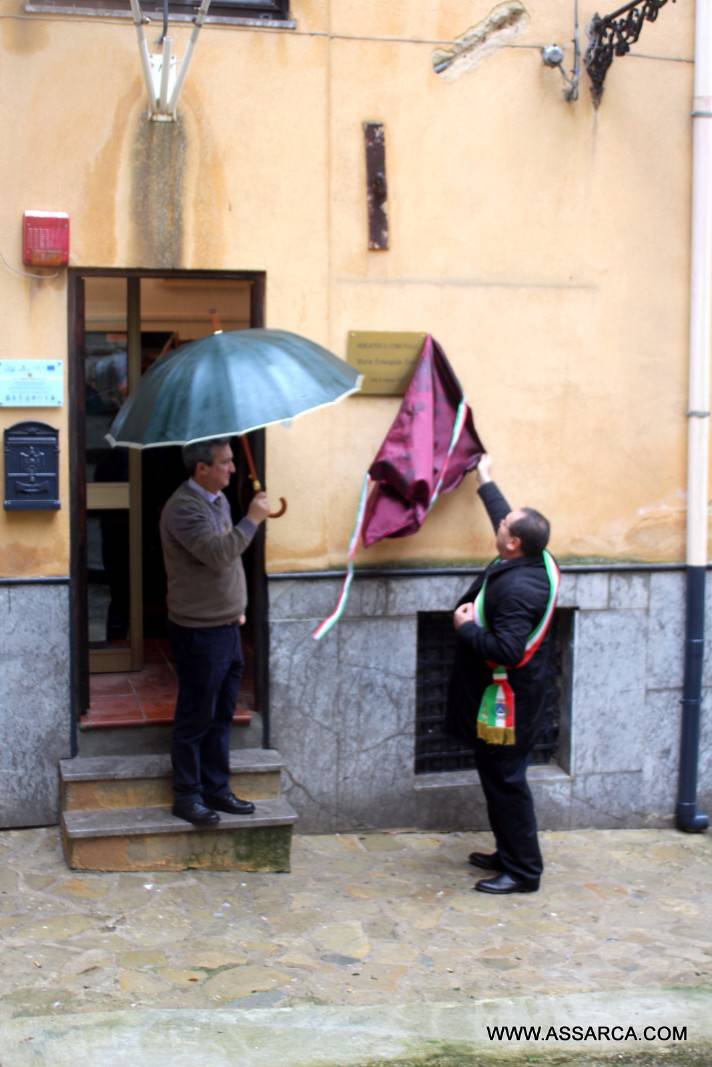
[{"x": 121, "y": 322}]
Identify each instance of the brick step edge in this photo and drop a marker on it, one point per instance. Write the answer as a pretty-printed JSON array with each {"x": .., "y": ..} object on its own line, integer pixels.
[
  {"x": 125, "y": 768},
  {"x": 134, "y": 822}
]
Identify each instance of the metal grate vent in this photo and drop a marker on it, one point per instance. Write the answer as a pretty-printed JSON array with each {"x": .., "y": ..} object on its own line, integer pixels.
[{"x": 437, "y": 751}]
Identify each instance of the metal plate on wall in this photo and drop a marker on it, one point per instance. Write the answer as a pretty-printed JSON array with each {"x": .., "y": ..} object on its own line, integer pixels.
[
  {"x": 386, "y": 359},
  {"x": 31, "y": 383}
]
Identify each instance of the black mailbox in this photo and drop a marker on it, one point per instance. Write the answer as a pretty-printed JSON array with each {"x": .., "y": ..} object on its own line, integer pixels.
[{"x": 31, "y": 467}]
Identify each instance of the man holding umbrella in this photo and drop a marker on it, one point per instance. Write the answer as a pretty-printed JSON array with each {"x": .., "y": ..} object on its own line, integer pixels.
[
  {"x": 223, "y": 385},
  {"x": 207, "y": 598}
]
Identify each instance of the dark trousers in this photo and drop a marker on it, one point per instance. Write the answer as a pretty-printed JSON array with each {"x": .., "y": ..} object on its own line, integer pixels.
[
  {"x": 209, "y": 663},
  {"x": 511, "y": 813}
]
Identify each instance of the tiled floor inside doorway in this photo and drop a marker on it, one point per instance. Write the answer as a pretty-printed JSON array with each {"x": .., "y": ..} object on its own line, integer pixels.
[{"x": 148, "y": 697}]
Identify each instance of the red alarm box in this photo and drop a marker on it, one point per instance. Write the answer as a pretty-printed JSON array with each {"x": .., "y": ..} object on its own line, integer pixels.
[{"x": 45, "y": 239}]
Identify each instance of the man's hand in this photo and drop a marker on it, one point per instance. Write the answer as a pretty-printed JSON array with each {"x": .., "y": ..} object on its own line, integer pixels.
[
  {"x": 484, "y": 469},
  {"x": 259, "y": 508},
  {"x": 465, "y": 613}
]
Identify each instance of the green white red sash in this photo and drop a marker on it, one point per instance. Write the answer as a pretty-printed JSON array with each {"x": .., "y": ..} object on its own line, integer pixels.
[{"x": 496, "y": 714}]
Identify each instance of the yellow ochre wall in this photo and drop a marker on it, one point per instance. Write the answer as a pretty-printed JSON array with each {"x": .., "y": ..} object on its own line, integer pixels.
[{"x": 544, "y": 244}]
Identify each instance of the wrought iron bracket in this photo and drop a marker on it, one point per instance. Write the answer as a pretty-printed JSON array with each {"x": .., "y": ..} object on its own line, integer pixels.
[{"x": 612, "y": 35}]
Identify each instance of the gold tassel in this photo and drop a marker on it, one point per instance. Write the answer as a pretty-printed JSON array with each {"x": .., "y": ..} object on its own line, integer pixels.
[{"x": 495, "y": 735}]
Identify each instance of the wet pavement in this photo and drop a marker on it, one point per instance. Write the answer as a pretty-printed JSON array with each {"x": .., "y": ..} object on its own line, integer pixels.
[{"x": 374, "y": 949}]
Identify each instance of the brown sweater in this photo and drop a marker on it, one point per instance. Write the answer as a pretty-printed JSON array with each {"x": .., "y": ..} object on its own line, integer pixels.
[{"x": 201, "y": 550}]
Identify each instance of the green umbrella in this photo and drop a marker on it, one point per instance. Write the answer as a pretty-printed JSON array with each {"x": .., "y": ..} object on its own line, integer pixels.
[{"x": 228, "y": 384}]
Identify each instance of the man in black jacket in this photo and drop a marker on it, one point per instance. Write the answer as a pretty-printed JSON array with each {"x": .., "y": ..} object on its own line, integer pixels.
[{"x": 519, "y": 591}]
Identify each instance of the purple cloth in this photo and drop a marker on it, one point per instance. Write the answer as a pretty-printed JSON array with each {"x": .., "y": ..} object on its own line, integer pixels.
[{"x": 410, "y": 460}]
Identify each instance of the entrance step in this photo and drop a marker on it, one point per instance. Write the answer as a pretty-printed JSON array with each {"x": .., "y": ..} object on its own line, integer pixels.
[
  {"x": 104, "y": 782},
  {"x": 156, "y": 739},
  {"x": 116, "y": 816},
  {"x": 151, "y": 839},
  {"x": 106, "y": 717}
]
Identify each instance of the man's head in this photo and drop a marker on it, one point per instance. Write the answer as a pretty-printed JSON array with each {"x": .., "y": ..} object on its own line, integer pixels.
[
  {"x": 209, "y": 463},
  {"x": 524, "y": 532}
]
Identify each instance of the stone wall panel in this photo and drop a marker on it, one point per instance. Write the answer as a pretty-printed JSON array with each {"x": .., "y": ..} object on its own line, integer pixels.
[
  {"x": 343, "y": 710},
  {"x": 35, "y": 723}
]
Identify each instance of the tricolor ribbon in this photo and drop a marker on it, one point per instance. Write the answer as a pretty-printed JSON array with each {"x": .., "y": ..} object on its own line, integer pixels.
[
  {"x": 460, "y": 416},
  {"x": 331, "y": 620}
]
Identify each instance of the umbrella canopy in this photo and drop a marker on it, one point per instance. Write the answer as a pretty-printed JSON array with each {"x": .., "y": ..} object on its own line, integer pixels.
[{"x": 230, "y": 383}]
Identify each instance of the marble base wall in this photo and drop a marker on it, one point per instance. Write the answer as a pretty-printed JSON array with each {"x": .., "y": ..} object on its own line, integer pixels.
[
  {"x": 343, "y": 709},
  {"x": 35, "y": 730}
]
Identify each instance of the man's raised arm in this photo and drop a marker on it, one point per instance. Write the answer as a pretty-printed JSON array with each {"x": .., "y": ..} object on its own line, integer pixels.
[{"x": 492, "y": 498}]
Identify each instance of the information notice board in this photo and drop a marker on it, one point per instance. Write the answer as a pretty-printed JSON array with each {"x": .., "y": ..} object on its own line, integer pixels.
[{"x": 31, "y": 383}]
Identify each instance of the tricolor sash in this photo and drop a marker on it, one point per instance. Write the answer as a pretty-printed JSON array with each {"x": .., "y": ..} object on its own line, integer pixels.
[{"x": 496, "y": 717}]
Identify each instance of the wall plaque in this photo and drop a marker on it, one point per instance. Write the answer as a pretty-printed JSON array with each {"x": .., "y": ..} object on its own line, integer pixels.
[
  {"x": 385, "y": 359},
  {"x": 31, "y": 383}
]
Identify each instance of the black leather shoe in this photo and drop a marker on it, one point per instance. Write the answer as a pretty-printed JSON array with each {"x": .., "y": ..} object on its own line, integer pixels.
[
  {"x": 196, "y": 812},
  {"x": 231, "y": 804},
  {"x": 504, "y": 883},
  {"x": 488, "y": 861}
]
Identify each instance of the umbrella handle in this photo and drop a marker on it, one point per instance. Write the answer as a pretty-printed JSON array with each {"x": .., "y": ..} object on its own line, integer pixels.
[
  {"x": 281, "y": 511},
  {"x": 256, "y": 483}
]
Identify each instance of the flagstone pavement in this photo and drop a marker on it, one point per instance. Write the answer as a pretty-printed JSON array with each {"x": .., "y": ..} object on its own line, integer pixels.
[{"x": 374, "y": 949}]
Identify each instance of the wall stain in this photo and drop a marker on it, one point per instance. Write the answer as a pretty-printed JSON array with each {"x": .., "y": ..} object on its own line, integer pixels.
[
  {"x": 158, "y": 162},
  {"x": 208, "y": 194},
  {"x": 102, "y": 184},
  {"x": 21, "y": 559},
  {"x": 660, "y": 534},
  {"x": 24, "y": 36},
  {"x": 177, "y": 208}
]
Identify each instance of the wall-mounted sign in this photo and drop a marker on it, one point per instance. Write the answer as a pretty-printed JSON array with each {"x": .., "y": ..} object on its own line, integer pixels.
[
  {"x": 385, "y": 359},
  {"x": 31, "y": 383}
]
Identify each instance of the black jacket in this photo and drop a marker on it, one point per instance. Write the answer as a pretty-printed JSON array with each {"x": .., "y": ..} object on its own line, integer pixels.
[{"x": 515, "y": 601}]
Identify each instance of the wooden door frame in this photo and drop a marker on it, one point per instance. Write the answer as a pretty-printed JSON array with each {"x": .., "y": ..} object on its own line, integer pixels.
[{"x": 79, "y": 624}]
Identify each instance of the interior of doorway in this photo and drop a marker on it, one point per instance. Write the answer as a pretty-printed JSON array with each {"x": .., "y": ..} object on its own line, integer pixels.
[{"x": 128, "y": 320}]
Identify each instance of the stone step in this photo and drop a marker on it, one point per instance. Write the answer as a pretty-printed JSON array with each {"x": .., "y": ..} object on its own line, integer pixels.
[
  {"x": 151, "y": 839},
  {"x": 121, "y": 782}
]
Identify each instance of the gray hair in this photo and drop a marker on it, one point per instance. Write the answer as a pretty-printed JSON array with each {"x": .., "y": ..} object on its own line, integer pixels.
[{"x": 201, "y": 452}]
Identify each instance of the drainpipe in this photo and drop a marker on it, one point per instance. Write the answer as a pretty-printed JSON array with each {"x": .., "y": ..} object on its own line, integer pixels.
[{"x": 688, "y": 818}]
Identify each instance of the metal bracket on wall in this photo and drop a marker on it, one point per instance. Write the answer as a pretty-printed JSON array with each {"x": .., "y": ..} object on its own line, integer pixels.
[
  {"x": 553, "y": 56},
  {"x": 612, "y": 35},
  {"x": 376, "y": 185},
  {"x": 163, "y": 78}
]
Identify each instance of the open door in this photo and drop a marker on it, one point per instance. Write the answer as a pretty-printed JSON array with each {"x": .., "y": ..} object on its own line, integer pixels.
[
  {"x": 120, "y": 323},
  {"x": 112, "y": 356}
]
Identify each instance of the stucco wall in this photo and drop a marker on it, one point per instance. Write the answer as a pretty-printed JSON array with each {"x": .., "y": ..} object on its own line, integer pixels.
[{"x": 544, "y": 245}]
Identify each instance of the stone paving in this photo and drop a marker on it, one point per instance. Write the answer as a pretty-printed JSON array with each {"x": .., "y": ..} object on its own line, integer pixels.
[{"x": 364, "y": 922}]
